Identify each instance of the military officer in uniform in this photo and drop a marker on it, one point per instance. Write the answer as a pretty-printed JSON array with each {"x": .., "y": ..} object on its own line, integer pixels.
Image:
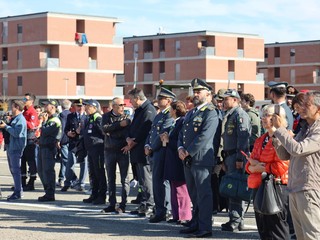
[
  {"x": 153, "y": 148},
  {"x": 196, "y": 150},
  {"x": 236, "y": 130}
]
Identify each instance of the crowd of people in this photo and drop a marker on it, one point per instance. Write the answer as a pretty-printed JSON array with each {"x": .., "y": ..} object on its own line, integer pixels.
[{"x": 178, "y": 151}]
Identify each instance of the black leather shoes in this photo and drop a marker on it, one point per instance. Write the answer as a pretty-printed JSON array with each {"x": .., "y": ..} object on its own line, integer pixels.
[
  {"x": 99, "y": 201},
  {"x": 157, "y": 218},
  {"x": 108, "y": 209},
  {"x": 46, "y": 198},
  {"x": 88, "y": 200},
  {"x": 200, "y": 234},
  {"x": 64, "y": 188},
  {"x": 189, "y": 230},
  {"x": 232, "y": 226}
]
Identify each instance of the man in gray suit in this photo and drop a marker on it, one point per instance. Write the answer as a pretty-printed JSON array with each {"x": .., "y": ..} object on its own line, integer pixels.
[
  {"x": 196, "y": 150},
  {"x": 155, "y": 150}
]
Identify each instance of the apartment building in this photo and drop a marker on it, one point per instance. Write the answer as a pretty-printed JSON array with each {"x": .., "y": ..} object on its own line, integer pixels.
[
  {"x": 57, "y": 55},
  {"x": 297, "y": 63},
  {"x": 222, "y": 59}
]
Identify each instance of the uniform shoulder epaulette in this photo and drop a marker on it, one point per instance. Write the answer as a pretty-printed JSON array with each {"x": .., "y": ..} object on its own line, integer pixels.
[{"x": 208, "y": 106}]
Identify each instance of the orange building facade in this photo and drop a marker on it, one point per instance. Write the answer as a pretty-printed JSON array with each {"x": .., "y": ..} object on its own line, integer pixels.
[
  {"x": 56, "y": 55},
  {"x": 297, "y": 63},
  {"x": 222, "y": 59}
]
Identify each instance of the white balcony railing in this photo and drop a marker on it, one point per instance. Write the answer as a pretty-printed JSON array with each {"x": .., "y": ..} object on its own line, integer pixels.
[
  {"x": 207, "y": 51},
  {"x": 147, "y": 77},
  {"x": 162, "y": 75},
  {"x": 117, "y": 91},
  {"x": 162, "y": 54},
  {"x": 50, "y": 63},
  {"x": 92, "y": 64},
  {"x": 120, "y": 78},
  {"x": 231, "y": 75},
  {"x": 80, "y": 90},
  {"x": 240, "y": 53},
  {"x": 4, "y": 65},
  {"x": 148, "y": 55},
  {"x": 260, "y": 77}
]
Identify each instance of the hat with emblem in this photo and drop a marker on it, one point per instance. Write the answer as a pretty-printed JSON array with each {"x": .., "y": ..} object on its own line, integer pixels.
[
  {"x": 219, "y": 94},
  {"x": 199, "y": 84},
  {"x": 78, "y": 102},
  {"x": 166, "y": 93},
  {"x": 274, "y": 84},
  {"x": 231, "y": 93},
  {"x": 52, "y": 102},
  {"x": 92, "y": 102}
]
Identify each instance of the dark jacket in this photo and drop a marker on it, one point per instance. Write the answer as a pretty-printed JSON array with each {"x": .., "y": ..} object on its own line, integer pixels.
[
  {"x": 197, "y": 134},
  {"x": 115, "y": 135},
  {"x": 173, "y": 168},
  {"x": 63, "y": 118},
  {"x": 139, "y": 129},
  {"x": 72, "y": 124},
  {"x": 93, "y": 135}
]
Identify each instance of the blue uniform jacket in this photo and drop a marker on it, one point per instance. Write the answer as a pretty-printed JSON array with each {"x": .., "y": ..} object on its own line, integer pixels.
[{"x": 197, "y": 133}]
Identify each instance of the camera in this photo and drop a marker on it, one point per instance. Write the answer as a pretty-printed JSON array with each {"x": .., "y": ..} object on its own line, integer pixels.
[{"x": 187, "y": 161}]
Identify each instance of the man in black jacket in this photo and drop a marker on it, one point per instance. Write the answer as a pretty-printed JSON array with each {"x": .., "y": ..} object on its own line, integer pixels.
[
  {"x": 138, "y": 133},
  {"x": 115, "y": 125}
]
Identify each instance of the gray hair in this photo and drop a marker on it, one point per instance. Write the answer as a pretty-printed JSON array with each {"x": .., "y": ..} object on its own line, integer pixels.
[
  {"x": 66, "y": 104},
  {"x": 137, "y": 93},
  {"x": 114, "y": 100},
  {"x": 316, "y": 97},
  {"x": 269, "y": 109}
]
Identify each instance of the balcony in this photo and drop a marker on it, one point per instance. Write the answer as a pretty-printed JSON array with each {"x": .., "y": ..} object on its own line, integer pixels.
[
  {"x": 276, "y": 60},
  {"x": 240, "y": 53},
  {"x": 231, "y": 75},
  {"x": 162, "y": 54},
  {"x": 80, "y": 90},
  {"x": 260, "y": 77},
  {"x": 207, "y": 51},
  {"x": 92, "y": 64},
  {"x": 148, "y": 55},
  {"x": 117, "y": 91},
  {"x": 148, "y": 77},
  {"x": 49, "y": 63},
  {"x": 120, "y": 79},
  {"x": 4, "y": 65},
  {"x": 162, "y": 75}
]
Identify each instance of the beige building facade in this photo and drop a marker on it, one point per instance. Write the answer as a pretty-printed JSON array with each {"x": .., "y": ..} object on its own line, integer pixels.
[
  {"x": 56, "y": 55},
  {"x": 222, "y": 59},
  {"x": 297, "y": 63}
]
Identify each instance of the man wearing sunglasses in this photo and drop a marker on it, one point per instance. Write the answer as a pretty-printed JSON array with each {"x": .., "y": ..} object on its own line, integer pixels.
[{"x": 115, "y": 125}]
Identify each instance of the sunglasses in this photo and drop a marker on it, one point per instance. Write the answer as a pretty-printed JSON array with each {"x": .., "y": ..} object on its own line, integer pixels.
[
  {"x": 26, "y": 99},
  {"x": 121, "y": 105}
]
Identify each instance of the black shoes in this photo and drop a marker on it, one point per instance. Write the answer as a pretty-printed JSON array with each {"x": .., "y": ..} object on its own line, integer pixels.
[
  {"x": 99, "y": 201},
  {"x": 13, "y": 197},
  {"x": 108, "y": 209},
  {"x": 88, "y": 200},
  {"x": 143, "y": 211},
  {"x": 189, "y": 230},
  {"x": 64, "y": 188},
  {"x": 157, "y": 218},
  {"x": 46, "y": 198},
  {"x": 200, "y": 234},
  {"x": 232, "y": 226}
]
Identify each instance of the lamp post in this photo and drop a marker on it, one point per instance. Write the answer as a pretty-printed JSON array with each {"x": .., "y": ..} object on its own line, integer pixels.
[{"x": 135, "y": 73}]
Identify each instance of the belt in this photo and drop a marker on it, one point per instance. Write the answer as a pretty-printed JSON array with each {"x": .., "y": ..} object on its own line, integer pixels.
[{"x": 228, "y": 153}]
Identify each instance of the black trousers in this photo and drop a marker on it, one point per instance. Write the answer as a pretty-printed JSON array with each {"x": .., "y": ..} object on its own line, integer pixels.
[
  {"x": 29, "y": 156},
  {"x": 274, "y": 227},
  {"x": 97, "y": 173}
]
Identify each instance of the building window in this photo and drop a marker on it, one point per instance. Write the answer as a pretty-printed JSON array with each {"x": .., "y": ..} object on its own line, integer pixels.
[
  {"x": 162, "y": 46},
  {"x": 177, "y": 45},
  {"x": 177, "y": 73},
  {"x": 19, "y": 58},
  {"x": 147, "y": 46},
  {"x": 276, "y": 72},
  {"x": 19, "y": 81},
  {"x": 277, "y": 52},
  {"x": 162, "y": 67},
  {"x": 292, "y": 52},
  {"x": 293, "y": 76},
  {"x": 80, "y": 26},
  {"x": 231, "y": 75},
  {"x": 19, "y": 28},
  {"x": 266, "y": 53},
  {"x": 240, "y": 43}
]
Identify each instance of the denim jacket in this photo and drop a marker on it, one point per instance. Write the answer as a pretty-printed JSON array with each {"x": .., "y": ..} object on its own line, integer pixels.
[{"x": 18, "y": 134}]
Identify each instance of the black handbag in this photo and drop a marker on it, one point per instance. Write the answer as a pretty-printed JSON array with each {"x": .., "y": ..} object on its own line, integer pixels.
[
  {"x": 234, "y": 185},
  {"x": 267, "y": 200}
]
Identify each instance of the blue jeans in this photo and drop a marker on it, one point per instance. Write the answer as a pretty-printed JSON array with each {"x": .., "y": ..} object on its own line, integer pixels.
[
  {"x": 70, "y": 171},
  {"x": 14, "y": 160},
  {"x": 64, "y": 159}
]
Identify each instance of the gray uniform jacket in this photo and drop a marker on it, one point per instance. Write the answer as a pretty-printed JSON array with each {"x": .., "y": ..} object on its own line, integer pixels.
[
  {"x": 304, "y": 154},
  {"x": 237, "y": 130},
  {"x": 197, "y": 133}
]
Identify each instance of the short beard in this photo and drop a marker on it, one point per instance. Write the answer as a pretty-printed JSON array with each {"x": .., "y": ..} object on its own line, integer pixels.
[{"x": 197, "y": 102}]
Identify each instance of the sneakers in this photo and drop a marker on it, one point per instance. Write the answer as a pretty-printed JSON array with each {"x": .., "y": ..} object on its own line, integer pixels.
[
  {"x": 46, "y": 198},
  {"x": 232, "y": 226},
  {"x": 13, "y": 197},
  {"x": 59, "y": 183},
  {"x": 108, "y": 209}
]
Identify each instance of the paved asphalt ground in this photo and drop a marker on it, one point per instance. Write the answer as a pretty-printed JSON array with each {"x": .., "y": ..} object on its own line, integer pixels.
[{"x": 69, "y": 218}]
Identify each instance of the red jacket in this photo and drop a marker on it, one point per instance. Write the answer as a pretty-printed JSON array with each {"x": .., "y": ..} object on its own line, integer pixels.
[
  {"x": 31, "y": 117},
  {"x": 274, "y": 165}
]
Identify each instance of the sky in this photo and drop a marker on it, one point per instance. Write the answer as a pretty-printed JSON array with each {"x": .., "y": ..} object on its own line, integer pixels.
[{"x": 273, "y": 20}]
